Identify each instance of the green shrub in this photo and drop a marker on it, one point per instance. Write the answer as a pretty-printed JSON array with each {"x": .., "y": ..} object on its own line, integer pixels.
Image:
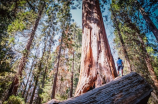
[{"x": 14, "y": 100}]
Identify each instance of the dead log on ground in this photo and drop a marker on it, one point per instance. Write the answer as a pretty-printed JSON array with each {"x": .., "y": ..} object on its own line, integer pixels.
[{"x": 129, "y": 89}]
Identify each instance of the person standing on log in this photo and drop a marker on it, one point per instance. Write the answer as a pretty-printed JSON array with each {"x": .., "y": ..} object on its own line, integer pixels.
[{"x": 120, "y": 65}]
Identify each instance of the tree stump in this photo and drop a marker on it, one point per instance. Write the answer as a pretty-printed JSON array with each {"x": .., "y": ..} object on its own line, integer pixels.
[{"x": 129, "y": 89}]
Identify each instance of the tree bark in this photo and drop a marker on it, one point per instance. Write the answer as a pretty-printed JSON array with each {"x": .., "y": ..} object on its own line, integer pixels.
[
  {"x": 28, "y": 78},
  {"x": 15, "y": 83},
  {"x": 34, "y": 89},
  {"x": 145, "y": 54},
  {"x": 148, "y": 63},
  {"x": 129, "y": 89},
  {"x": 72, "y": 69},
  {"x": 28, "y": 91},
  {"x": 56, "y": 73},
  {"x": 45, "y": 71},
  {"x": 148, "y": 20},
  {"x": 97, "y": 64},
  {"x": 38, "y": 74},
  {"x": 122, "y": 42}
]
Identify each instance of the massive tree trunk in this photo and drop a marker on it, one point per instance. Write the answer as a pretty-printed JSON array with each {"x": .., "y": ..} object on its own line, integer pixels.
[
  {"x": 148, "y": 20},
  {"x": 56, "y": 73},
  {"x": 97, "y": 64},
  {"x": 72, "y": 69},
  {"x": 122, "y": 42},
  {"x": 129, "y": 89},
  {"x": 15, "y": 83}
]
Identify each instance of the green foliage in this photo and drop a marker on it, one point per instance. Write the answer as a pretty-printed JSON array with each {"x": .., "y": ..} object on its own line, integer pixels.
[
  {"x": 23, "y": 20},
  {"x": 136, "y": 41},
  {"x": 14, "y": 100},
  {"x": 46, "y": 92}
]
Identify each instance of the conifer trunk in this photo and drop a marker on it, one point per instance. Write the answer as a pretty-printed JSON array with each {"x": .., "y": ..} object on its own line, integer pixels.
[
  {"x": 15, "y": 83},
  {"x": 72, "y": 69},
  {"x": 34, "y": 89},
  {"x": 122, "y": 42},
  {"x": 148, "y": 20},
  {"x": 45, "y": 71},
  {"x": 97, "y": 64},
  {"x": 145, "y": 53},
  {"x": 28, "y": 78},
  {"x": 149, "y": 64},
  {"x": 38, "y": 74},
  {"x": 28, "y": 91},
  {"x": 56, "y": 73}
]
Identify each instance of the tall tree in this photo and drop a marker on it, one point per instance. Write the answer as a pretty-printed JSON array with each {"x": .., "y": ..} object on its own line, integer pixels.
[
  {"x": 64, "y": 18},
  {"x": 136, "y": 6},
  {"x": 72, "y": 71},
  {"x": 28, "y": 78},
  {"x": 15, "y": 83},
  {"x": 150, "y": 23},
  {"x": 97, "y": 64},
  {"x": 28, "y": 91},
  {"x": 136, "y": 43},
  {"x": 56, "y": 73},
  {"x": 121, "y": 40},
  {"x": 38, "y": 72},
  {"x": 45, "y": 69}
]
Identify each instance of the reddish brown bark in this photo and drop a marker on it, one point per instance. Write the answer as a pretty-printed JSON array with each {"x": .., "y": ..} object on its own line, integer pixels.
[
  {"x": 71, "y": 88},
  {"x": 97, "y": 64},
  {"x": 56, "y": 73},
  {"x": 15, "y": 83},
  {"x": 145, "y": 53},
  {"x": 149, "y": 64},
  {"x": 34, "y": 89}
]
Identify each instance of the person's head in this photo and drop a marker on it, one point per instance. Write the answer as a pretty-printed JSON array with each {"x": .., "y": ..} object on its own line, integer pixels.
[{"x": 118, "y": 58}]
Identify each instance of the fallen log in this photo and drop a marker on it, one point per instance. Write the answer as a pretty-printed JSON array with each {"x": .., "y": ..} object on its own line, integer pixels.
[{"x": 129, "y": 89}]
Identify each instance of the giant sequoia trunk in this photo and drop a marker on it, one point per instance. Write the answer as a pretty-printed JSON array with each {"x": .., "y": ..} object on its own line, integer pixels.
[
  {"x": 15, "y": 83},
  {"x": 97, "y": 64},
  {"x": 129, "y": 89},
  {"x": 148, "y": 20}
]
